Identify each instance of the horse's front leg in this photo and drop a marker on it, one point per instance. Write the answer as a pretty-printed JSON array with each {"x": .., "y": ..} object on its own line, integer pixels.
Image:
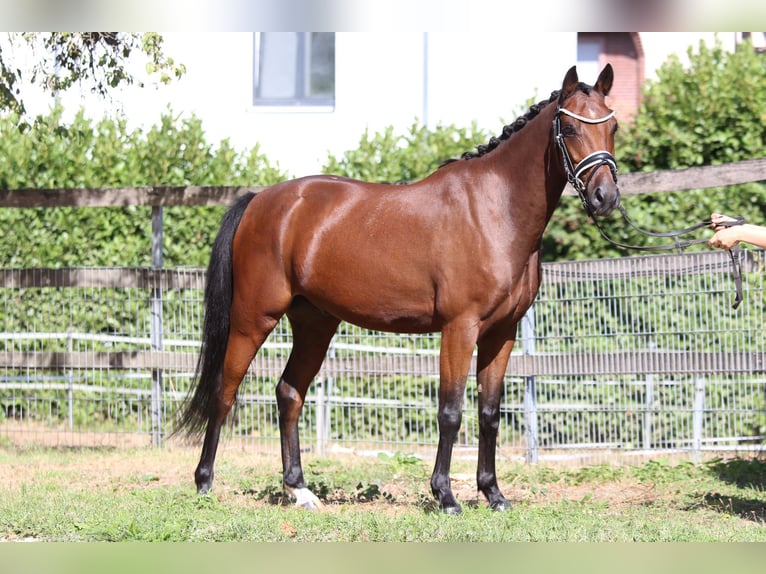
[
  {"x": 492, "y": 362},
  {"x": 458, "y": 341}
]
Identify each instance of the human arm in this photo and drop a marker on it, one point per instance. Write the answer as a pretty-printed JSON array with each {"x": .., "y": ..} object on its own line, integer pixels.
[{"x": 727, "y": 237}]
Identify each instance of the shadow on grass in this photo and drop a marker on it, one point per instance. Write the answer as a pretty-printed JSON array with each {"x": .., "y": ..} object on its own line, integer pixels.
[
  {"x": 742, "y": 472},
  {"x": 363, "y": 494},
  {"x": 746, "y": 508},
  {"x": 747, "y": 474}
]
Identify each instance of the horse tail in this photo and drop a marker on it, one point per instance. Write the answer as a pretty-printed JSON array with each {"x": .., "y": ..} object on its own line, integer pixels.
[{"x": 215, "y": 331}]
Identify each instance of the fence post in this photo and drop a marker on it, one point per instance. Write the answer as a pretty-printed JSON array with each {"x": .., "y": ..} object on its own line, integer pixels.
[
  {"x": 70, "y": 378},
  {"x": 324, "y": 388},
  {"x": 329, "y": 387},
  {"x": 649, "y": 404},
  {"x": 698, "y": 418},
  {"x": 319, "y": 397},
  {"x": 155, "y": 326},
  {"x": 530, "y": 394}
]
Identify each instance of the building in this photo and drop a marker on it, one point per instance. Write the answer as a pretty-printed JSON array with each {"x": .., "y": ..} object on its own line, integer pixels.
[{"x": 301, "y": 96}]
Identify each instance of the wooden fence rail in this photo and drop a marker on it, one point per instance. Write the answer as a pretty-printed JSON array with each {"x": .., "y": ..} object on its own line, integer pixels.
[
  {"x": 555, "y": 364},
  {"x": 193, "y": 278},
  {"x": 704, "y": 177}
]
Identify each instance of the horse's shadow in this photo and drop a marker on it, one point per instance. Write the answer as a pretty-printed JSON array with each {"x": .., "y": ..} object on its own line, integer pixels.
[
  {"x": 744, "y": 474},
  {"x": 746, "y": 508}
]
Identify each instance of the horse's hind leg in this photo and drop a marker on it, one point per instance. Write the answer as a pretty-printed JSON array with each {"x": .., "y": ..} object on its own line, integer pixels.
[
  {"x": 492, "y": 361},
  {"x": 312, "y": 332},
  {"x": 240, "y": 350},
  {"x": 458, "y": 340}
]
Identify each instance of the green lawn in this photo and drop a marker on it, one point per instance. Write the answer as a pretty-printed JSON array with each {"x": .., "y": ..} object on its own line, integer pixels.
[{"x": 148, "y": 495}]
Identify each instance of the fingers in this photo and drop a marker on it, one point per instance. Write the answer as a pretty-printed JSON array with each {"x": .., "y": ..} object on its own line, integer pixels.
[
  {"x": 715, "y": 243},
  {"x": 719, "y": 221},
  {"x": 724, "y": 239}
]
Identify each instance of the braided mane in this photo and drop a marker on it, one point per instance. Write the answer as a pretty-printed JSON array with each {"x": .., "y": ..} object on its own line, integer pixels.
[{"x": 513, "y": 127}]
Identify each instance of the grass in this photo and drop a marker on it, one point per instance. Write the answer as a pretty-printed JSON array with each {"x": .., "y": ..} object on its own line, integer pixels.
[{"x": 148, "y": 495}]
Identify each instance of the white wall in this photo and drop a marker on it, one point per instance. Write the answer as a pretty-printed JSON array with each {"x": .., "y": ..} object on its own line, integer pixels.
[
  {"x": 658, "y": 46},
  {"x": 488, "y": 78},
  {"x": 379, "y": 82}
]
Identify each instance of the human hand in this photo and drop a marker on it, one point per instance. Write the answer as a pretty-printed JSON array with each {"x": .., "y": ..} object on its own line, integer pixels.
[
  {"x": 720, "y": 221},
  {"x": 725, "y": 238}
]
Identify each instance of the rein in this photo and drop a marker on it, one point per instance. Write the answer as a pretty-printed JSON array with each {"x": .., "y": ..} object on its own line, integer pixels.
[
  {"x": 600, "y": 158},
  {"x": 736, "y": 263}
]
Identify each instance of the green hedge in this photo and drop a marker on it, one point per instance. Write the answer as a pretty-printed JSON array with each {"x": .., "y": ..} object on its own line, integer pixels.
[{"x": 87, "y": 154}]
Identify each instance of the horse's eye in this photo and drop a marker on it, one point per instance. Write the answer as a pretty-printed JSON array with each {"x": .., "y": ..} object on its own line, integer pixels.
[{"x": 569, "y": 131}]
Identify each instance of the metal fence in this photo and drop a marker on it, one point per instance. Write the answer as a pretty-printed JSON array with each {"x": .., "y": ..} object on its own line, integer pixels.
[{"x": 625, "y": 356}]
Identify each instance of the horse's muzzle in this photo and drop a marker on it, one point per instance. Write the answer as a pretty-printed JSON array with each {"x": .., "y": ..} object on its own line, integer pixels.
[{"x": 603, "y": 196}]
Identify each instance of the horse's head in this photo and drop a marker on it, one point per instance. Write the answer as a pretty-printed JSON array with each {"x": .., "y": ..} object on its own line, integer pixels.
[{"x": 584, "y": 129}]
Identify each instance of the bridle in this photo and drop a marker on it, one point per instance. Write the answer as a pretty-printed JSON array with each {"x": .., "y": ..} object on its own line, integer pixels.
[
  {"x": 592, "y": 161},
  {"x": 596, "y": 160}
]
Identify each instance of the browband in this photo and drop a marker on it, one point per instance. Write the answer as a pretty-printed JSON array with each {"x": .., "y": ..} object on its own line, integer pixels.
[{"x": 584, "y": 119}]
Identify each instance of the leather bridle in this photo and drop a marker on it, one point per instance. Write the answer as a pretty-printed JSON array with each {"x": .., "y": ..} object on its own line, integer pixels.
[{"x": 592, "y": 161}]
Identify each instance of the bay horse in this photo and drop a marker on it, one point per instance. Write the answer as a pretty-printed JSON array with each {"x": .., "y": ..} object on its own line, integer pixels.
[{"x": 457, "y": 252}]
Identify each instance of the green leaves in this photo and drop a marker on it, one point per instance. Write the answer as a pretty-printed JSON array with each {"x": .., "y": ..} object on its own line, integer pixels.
[
  {"x": 49, "y": 153},
  {"x": 151, "y": 44},
  {"x": 99, "y": 59},
  {"x": 386, "y": 157}
]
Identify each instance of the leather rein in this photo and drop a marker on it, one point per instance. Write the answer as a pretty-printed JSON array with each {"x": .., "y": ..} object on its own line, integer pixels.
[{"x": 600, "y": 158}]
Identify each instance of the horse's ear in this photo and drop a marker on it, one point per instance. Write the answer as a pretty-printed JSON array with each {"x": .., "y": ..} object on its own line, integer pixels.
[
  {"x": 605, "y": 80},
  {"x": 570, "y": 84}
]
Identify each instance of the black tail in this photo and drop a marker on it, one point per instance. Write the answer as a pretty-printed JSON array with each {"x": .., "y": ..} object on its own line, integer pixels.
[{"x": 215, "y": 335}]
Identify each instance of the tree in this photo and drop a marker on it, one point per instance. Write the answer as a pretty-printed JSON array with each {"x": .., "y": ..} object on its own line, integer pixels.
[{"x": 63, "y": 59}]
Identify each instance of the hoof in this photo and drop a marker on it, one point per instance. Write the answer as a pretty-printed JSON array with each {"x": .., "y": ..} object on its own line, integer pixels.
[
  {"x": 500, "y": 506},
  {"x": 452, "y": 509},
  {"x": 204, "y": 488},
  {"x": 304, "y": 498},
  {"x": 313, "y": 506},
  {"x": 203, "y": 478}
]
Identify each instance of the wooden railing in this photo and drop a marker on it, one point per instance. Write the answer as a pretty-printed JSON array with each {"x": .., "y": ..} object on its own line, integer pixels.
[{"x": 164, "y": 196}]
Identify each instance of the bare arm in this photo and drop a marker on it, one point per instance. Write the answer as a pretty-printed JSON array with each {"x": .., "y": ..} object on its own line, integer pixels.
[{"x": 728, "y": 237}]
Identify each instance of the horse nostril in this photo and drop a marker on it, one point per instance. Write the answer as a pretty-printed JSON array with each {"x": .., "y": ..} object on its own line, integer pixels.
[{"x": 598, "y": 196}]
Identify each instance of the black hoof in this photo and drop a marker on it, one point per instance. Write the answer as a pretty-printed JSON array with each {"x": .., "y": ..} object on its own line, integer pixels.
[
  {"x": 204, "y": 486},
  {"x": 452, "y": 510},
  {"x": 500, "y": 506},
  {"x": 204, "y": 481}
]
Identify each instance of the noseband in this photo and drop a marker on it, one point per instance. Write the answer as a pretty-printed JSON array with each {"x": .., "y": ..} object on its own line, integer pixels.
[{"x": 592, "y": 161}]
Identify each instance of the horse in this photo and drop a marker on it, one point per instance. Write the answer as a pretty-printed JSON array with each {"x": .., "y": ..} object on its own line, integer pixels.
[{"x": 457, "y": 252}]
